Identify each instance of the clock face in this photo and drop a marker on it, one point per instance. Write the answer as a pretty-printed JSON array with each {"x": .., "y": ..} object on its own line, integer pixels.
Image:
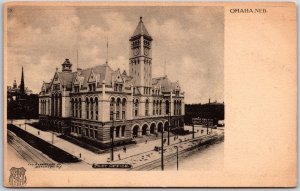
[
  {"x": 146, "y": 51},
  {"x": 136, "y": 51}
]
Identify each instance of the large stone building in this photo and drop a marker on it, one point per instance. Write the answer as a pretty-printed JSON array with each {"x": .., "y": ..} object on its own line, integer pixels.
[{"x": 97, "y": 102}]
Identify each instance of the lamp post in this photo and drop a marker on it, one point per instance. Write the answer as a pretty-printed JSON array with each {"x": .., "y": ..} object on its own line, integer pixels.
[
  {"x": 177, "y": 155},
  {"x": 112, "y": 137},
  {"x": 25, "y": 124}
]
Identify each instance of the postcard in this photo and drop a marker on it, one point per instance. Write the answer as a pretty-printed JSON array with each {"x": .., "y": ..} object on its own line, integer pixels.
[{"x": 140, "y": 94}]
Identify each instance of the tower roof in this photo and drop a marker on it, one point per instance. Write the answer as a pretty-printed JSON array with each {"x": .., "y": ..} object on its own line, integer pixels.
[{"x": 141, "y": 29}]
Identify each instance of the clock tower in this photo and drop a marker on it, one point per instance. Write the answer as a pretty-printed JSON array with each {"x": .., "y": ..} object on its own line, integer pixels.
[{"x": 140, "y": 58}]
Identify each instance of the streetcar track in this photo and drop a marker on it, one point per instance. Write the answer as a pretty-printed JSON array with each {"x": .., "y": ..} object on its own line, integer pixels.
[{"x": 25, "y": 151}]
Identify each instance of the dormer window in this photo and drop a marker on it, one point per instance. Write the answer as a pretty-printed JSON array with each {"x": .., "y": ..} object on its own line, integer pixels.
[
  {"x": 76, "y": 89},
  {"x": 92, "y": 87},
  {"x": 118, "y": 87},
  {"x": 56, "y": 86}
]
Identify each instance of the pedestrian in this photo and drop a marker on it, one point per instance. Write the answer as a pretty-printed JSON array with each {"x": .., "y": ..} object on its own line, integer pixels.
[
  {"x": 119, "y": 156},
  {"x": 174, "y": 138},
  {"x": 146, "y": 141},
  {"x": 79, "y": 155},
  {"x": 38, "y": 132},
  {"x": 124, "y": 149}
]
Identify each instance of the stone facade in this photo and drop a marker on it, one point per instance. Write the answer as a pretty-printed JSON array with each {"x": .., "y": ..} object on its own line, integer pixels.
[{"x": 98, "y": 102}]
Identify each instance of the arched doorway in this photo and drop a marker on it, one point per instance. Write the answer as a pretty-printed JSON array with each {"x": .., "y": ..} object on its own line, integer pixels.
[
  {"x": 135, "y": 131},
  {"x": 144, "y": 129},
  {"x": 152, "y": 128},
  {"x": 160, "y": 127}
]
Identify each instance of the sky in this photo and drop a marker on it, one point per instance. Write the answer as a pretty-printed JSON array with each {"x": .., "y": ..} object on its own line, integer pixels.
[{"x": 188, "y": 43}]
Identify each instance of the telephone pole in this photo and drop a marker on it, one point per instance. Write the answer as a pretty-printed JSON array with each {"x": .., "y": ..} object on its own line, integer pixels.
[{"x": 162, "y": 149}]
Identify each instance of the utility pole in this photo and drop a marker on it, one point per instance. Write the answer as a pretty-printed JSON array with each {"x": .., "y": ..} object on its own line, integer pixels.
[
  {"x": 207, "y": 126},
  {"x": 162, "y": 149},
  {"x": 193, "y": 130},
  {"x": 169, "y": 128},
  {"x": 52, "y": 137}
]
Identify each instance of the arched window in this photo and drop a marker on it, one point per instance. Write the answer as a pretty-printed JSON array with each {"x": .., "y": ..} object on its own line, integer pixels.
[
  {"x": 80, "y": 109},
  {"x": 124, "y": 108},
  {"x": 157, "y": 107},
  {"x": 92, "y": 108},
  {"x": 154, "y": 105},
  {"x": 160, "y": 107},
  {"x": 136, "y": 107},
  {"x": 118, "y": 108},
  {"x": 167, "y": 107},
  {"x": 111, "y": 110},
  {"x": 76, "y": 109},
  {"x": 96, "y": 108},
  {"x": 87, "y": 108},
  {"x": 175, "y": 107},
  {"x": 147, "y": 108}
]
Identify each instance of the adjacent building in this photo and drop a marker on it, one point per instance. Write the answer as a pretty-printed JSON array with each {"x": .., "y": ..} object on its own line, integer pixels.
[{"x": 99, "y": 102}]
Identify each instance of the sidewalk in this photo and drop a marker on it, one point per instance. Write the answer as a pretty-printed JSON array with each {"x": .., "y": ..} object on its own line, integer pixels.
[{"x": 90, "y": 157}]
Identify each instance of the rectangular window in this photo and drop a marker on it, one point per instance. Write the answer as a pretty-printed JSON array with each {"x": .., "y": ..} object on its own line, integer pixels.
[
  {"x": 96, "y": 134},
  {"x": 123, "y": 131},
  {"x": 111, "y": 115},
  {"x": 117, "y": 115},
  {"x": 123, "y": 114}
]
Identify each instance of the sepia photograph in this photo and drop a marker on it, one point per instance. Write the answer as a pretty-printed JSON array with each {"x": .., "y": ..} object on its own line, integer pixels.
[
  {"x": 137, "y": 91},
  {"x": 130, "y": 88}
]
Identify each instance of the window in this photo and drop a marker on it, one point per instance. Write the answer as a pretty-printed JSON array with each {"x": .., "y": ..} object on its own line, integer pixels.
[
  {"x": 118, "y": 108},
  {"x": 92, "y": 87},
  {"x": 118, "y": 131},
  {"x": 124, "y": 109},
  {"x": 96, "y": 134},
  {"x": 111, "y": 110},
  {"x": 147, "y": 108},
  {"x": 76, "y": 89},
  {"x": 80, "y": 108},
  {"x": 123, "y": 131},
  {"x": 136, "y": 107},
  {"x": 154, "y": 104},
  {"x": 92, "y": 108},
  {"x": 96, "y": 108},
  {"x": 167, "y": 107},
  {"x": 160, "y": 107},
  {"x": 87, "y": 108},
  {"x": 91, "y": 132}
]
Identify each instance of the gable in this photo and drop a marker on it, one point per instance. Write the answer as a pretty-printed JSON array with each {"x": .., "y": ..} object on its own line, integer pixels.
[
  {"x": 76, "y": 80},
  {"x": 118, "y": 78},
  {"x": 92, "y": 78},
  {"x": 56, "y": 79}
]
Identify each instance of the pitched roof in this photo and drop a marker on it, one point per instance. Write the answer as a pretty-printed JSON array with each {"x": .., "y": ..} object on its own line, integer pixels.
[
  {"x": 165, "y": 83},
  {"x": 66, "y": 78},
  {"x": 141, "y": 29},
  {"x": 102, "y": 72}
]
